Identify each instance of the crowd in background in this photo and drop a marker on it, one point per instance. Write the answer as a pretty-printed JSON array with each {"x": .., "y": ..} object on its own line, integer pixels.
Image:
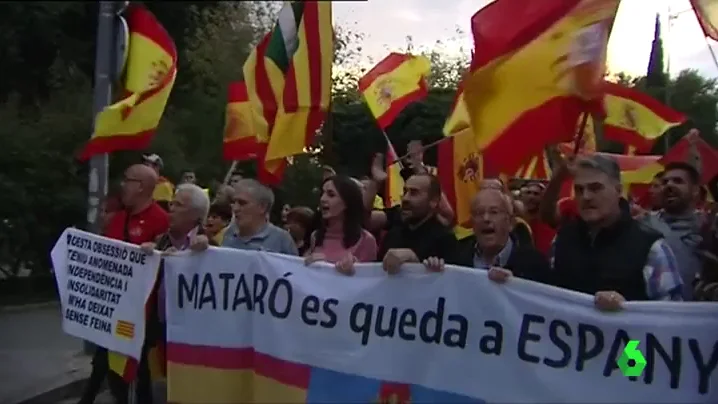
[{"x": 597, "y": 242}]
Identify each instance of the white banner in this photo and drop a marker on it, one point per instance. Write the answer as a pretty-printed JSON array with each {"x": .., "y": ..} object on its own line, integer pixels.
[
  {"x": 103, "y": 285},
  {"x": 445, "y": 337}
]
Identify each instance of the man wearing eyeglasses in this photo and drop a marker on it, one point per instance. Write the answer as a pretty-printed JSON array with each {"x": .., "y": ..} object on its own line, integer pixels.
[{"x": 141, "y": 221}]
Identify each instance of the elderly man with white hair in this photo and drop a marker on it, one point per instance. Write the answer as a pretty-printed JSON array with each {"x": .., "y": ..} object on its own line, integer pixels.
[{"x": 251, "y": 229}]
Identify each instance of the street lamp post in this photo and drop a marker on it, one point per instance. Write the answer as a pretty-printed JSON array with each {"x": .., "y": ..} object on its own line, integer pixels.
[{"x": 105, "y": 72}]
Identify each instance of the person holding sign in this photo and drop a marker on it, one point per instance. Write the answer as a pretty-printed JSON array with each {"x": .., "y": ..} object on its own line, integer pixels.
[
  {"x": 142, "y": 220},
  {"x": 606, "y": 253},
  {"x": 340, "y": 237},
  {"x": 492, "y": 246}
]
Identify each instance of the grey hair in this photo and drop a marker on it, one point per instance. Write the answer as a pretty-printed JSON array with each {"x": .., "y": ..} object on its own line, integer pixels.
[
  {"x": 198, "y": 198},
  {"x": 506, "y": 199},
  {"x": 260, "y": 193}
]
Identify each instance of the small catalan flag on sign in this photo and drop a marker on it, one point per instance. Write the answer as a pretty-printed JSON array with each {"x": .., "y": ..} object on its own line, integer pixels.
[{"x": 125, "y": 329}]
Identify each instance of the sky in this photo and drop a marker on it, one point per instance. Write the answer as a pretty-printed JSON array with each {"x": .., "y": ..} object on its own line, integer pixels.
[{"x": 387, "y": 23}]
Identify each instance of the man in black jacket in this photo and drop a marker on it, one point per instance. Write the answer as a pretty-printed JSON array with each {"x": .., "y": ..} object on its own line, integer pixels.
[{"x": 492, "y": 246}]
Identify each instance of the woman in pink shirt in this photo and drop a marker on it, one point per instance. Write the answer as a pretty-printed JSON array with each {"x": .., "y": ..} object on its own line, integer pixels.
[{"x": 340, "y": 238}]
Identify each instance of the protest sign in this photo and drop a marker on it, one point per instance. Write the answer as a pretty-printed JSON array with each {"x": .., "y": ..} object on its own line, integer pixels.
[
  {"x": 259, "y": 327},
  {"x": 103, "y": 287}
]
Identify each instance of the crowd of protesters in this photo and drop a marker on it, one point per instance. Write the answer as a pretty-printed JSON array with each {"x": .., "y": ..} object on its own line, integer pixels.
[{"x": 597, "y": 242}]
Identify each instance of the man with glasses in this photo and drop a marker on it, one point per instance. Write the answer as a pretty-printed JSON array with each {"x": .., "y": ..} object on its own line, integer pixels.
[{"x": 141, "y": 221}]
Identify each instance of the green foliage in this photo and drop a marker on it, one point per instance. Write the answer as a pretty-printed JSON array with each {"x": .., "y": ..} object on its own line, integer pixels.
[{"x": 48, "y": 48}]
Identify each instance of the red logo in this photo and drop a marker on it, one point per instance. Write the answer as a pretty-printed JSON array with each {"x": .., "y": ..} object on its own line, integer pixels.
[{"x": 470, "y": 169}]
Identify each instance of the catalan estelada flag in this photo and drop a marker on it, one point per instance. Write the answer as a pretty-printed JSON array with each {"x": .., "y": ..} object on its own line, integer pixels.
[
  {"x": 395, "y": 82},
  {"x": 214, "y": 375},
  {"x": 707, "y": 13},
  {"x": 151, "y": 71},
  {"x": 301, "y": 52},
  {"x": 537, "y": 65},
  {"x": 263, "y": 96},
  {"x": 240, "y": 136},
  {"x": 636, "y": 119}
]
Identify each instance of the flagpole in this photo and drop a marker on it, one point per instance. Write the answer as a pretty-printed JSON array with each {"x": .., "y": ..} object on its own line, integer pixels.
[
  {"x": 229, "y": 172},
  {"x": 425, "y": 148},
  {"x": 713, "y": 54},
  {"x": 105, "y": 74}
]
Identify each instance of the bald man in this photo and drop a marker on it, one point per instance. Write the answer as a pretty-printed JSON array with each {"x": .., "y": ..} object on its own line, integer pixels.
[
  {"x": 492, "y": 245},
  {"x": 141, "y": 221}
]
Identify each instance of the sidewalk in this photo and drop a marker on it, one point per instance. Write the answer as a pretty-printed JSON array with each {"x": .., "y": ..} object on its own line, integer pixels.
[{"x": 37, "y": 357}]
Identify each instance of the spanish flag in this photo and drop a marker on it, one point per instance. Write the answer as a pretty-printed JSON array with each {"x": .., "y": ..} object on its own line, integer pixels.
[
  {"x": 707, "y": 13},
  {"x": 202, "y": 374},
  {"x": 261, "y": 91},
  {"x": 300, "y": 52},
  {"x": 394, "y": 182},
  {"x": 537, "y": 168},
  {"x": 240, "y": 140},
  {"x": 537, "y": 65},
  {"x": 636, "y": 119},
  {"x": 395, "y": 82},
  {"x": 460, "y": 164},
  {"x": 151, "y": 71}
]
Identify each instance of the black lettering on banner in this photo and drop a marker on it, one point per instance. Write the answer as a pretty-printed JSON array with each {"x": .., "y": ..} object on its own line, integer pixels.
[
  {"x": 225, "y": 277},
  {"x": 100, "y": 325},
  {"x": 138, "y": 257},
  {"x": 492, "y": 344},
  {"x": 207, "y": 293},
  {"x": 407, "y": 321},
  {"x": 187, "y": 292},
  {"x": 431, "y": 325},
  {"x": 705, "y": 368},
  {"x": 259, "y": 289},
  {"x": 587, "y": 351},
  {"x": 242, "y": 295},
  {"x": 553, "y": 334},
  {"x": 614, "y": 353},
  {"x": 312, "y": 305},
  {"x": 525, "y": 336},
  {"x": 287, "y": 287},
  {"x": 672, "y": 361},
  {"x": 77, "y": 317}
]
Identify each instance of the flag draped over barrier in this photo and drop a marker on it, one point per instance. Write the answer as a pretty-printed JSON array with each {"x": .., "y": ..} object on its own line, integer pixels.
[{"x": 285, "y": 332}]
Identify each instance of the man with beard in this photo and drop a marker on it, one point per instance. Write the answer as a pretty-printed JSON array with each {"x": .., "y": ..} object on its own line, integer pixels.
[
  {"x": 605, "y": 252},
  {"x": 678, "y": 221},
  {"x": 542, "y": 233},
  {"x": 419, "y": 236},
  {"x": 492, "y": 245}
]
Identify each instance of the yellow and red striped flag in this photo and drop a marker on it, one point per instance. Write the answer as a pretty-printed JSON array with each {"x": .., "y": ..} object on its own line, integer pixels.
[
  {"x": 394, "y": 186},
  {"x": 707, "y": 13},
  {"x": 240, "y": 135},
  {"x": 537, "y": 65},
  {"x": 395, "y": 82},
  {"x": 537, "y": 168},
  {"x": 151, "y": 71},
  {"x": 125, "y": 329},
  {"x": 301, "y": 50},
  {"x": 262, "y": 94},
  {"x": 636, "y": 119}
]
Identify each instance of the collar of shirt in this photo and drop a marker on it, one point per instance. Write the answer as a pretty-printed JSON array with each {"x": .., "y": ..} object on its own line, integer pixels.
[
  {"x": 260, "y": 235},
  {"x": 501, "y": 259},
  {"x": 183, "y": 243}
]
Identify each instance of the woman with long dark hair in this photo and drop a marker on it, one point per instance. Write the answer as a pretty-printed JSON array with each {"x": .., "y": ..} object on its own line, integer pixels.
[{"x": 340, "y": 237}]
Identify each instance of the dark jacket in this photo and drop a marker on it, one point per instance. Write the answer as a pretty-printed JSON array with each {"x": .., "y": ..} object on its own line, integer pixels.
[
  {"x": 611, "y": 260},
  {"x": 525, "y": 261}
]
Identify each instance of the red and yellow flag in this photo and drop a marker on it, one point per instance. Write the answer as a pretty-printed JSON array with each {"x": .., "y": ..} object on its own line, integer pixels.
[
  {"x": 394, "y": 186},
  {"x": 240, "y": 135},
  {"x": 707, "y": 13},
  {"x": 151, "y": 71},
  {"x": 537, "y": 65},
  {"x": 395, "y": 82},
  {"x": 261, "y": 91},
  {"x": 305, "y": 35},
  {"x": 636, "y": 119},
  {"x": 460, "y": 166},
  {"x": 537, "y": 168}
]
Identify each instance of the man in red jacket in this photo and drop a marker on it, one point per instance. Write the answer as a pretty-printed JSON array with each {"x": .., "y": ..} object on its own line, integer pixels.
[{"x": 141, "y": 221}]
